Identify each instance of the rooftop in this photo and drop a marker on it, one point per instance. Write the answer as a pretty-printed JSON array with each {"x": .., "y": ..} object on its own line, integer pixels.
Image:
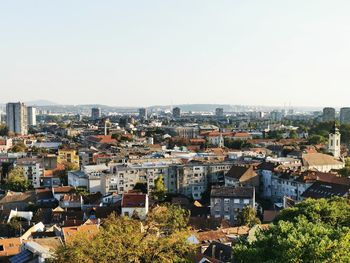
[{"x": 238, "y": 192}]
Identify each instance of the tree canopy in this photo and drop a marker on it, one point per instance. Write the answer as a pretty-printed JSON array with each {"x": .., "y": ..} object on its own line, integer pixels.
[
  {"x": 16, "y": 180},
  {"x": 19, "y": 147},
  {"x": 4, "y": 131},
  {"x": 312, "y": 231},
  {"x": 159, "y": 188},
  {"x": 161, "y": 238},
  {"x": 248, "y": 217}
]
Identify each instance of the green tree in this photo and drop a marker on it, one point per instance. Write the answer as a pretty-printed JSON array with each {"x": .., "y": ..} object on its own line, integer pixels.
[
  {"x": 275, "y": 135},
  {"x": 293, "y": 135},
  {"x": 312, "y": 231},
  {"x": 141, "y": 187},
  {"x": 159, "y": 190},
  {"x": 16, "y": 180},
  {"x": 317, "y": 139},
  {"x": 4, "y": 131},
  {"x": 122, "y": 239},
  {"x": 299, "y": 241},
  {"x": 248, "y": 217},
  {"x": 19, "y": 147}
]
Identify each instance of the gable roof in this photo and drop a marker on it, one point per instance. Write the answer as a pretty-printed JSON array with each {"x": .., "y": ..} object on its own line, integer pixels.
[
  {"x": 326, "y": 190},
  {"x": 134, "y": 200},
  {"x": 70, "y": 232},
  {"x": 219, "y": 251},
  {"x": 319, "y": 159},
  {"x": 10, "y": 246},
  {"x": 239, "y": 171}
]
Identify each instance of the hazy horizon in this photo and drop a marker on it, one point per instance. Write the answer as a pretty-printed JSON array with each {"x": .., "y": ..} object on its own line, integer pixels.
[{"x": 143, "y": 53}]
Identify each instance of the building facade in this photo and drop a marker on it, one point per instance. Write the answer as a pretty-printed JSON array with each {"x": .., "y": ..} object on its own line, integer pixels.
[
  {"x": 31, "y": 116},
  {"x": 334, "y": 142},
  {"x": 228, "y": 202},
  {"x": 17, "y": 118},
  {"x": 345, "y": 115},
  {"x": 96, "y": 114},
  {"x": 176, "y": 112},
  {"x": 328, "y": 114}
]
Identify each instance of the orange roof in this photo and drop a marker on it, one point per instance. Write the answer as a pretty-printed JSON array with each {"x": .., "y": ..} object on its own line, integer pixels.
[
  {"x": 222, "y": 233},
  {"x": 48, "y": 173},
  {"x": 197, "y": 141},
  {"x": 134, "y": 200},
  {"x": 102, "y": 139},
  {"x": 70, "y": 232},
  {"x": 242, "y": 134},
  {"x": 10, "y": 247},
  {"x": 62, "y": 189}
]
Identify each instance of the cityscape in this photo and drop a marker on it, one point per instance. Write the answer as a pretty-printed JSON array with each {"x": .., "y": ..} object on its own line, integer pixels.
[
  {"x": 187, "y": 131},
  {"x": 224, "y": 175}
]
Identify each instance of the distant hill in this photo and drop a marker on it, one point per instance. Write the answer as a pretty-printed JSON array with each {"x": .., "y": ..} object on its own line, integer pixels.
[{"x": 41, "y": 103}]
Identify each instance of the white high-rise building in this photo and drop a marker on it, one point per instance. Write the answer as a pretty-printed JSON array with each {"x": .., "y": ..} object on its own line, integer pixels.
[
  {"x": 16, "y": 118},
  {"x": 31, "y": 116},
  {"x": 334, "y": 142}
]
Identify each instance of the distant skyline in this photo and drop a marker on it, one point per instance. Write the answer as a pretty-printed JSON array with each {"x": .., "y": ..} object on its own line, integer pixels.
[{"x": 143, "y": 53}]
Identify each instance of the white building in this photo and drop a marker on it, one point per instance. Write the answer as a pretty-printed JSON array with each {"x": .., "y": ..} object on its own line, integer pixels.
[
  {"x": 135, "y": 205},
  {"x": 334, "y": 142},
  {"x": 31, "y": 116},
  {"x": 321, "y": 162},
  {"x": 33, "y": 170},
  {"x": 5, "y": 144}
]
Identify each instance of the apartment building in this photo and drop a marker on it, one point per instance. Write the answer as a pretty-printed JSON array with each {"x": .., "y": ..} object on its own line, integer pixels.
[
  {"x": 190, "y": 179},
  {"x": 16, "y": 118},
  {"x": 227, "y": 202},
  {"x": 68, "y": 156},
  {"x": 33, "y": 170}
]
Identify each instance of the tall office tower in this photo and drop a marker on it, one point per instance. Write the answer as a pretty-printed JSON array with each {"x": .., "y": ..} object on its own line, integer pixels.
[
  {"x": 328, "y": 114},
  {"x": 31, "y": 116},
  {"x": 96, "y": 114},
  {"x": 219, "y": 112},
  {"x": 16, "y": 118},
  {"x": 276, "y": 115},
  {"x": 176, "y": 112},
  {"x": 143, "y": 113},
  {"x": 345, "y": 115}
]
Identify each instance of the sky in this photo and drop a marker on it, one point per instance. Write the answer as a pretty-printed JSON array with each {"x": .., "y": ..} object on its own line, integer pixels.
[{"x": 162, "y": 52}]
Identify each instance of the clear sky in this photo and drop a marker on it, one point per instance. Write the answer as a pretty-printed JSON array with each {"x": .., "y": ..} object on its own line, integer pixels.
[{"x": 133, "y": 53}]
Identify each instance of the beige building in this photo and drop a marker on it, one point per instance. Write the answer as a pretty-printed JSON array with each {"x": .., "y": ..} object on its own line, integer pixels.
[{"x": 321, "y": 162}]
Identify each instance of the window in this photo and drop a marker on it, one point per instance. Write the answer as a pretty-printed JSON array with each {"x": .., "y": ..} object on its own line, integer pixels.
[
  {"x": 236, "y": 201},
  {"x": 246, "y": 201},
  {"x": 227, "y": 217},
  {"x": 217, "y": 201},
  {"x": 226, "y": 200}
]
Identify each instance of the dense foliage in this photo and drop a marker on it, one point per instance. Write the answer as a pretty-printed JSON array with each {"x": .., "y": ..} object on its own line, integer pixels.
[
  {"x": 248, "y": 217},
  {"x": 159, "y": 188},
  {"x": 16, "y": 180},
  {"x": 312, "y": 231},
  {"x": 161, "y": 238}
]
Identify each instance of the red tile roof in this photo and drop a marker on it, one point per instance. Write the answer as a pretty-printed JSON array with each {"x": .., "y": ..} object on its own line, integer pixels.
[
  {"x": 102, "y": 139},
  {"x": 134, "y": 200}
]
